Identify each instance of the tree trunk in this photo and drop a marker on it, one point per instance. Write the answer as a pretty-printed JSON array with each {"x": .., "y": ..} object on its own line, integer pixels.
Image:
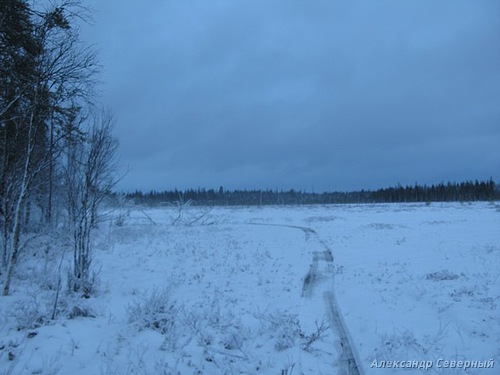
[
  {"x": 48, "y": 217},
  {"x": 15, "y": 242}
]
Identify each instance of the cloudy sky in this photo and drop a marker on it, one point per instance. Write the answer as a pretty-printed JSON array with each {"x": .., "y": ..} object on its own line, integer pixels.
[{"x": 312, "y": 95}]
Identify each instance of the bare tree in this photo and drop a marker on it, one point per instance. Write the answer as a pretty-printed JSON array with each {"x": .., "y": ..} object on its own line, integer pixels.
[
  {"x": 45, "y": 78},
  {"x": 68, "y": 71},
  {"x": 28, "y": 168},
  {"x": 89, "y": 179}
]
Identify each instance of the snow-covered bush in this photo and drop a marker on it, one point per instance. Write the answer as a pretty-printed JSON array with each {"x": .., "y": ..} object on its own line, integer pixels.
[
  {"x": 216, "y": 327},
  {"x": 442, "y": 275},
  {"x": 188, "y": 215},
  {"x": 463, "y": 291},
  {"x": 317, "y": 335},
  {"x": 29, "y": 313},
  {"x": 81, "y": 312},
  {"x": 288, "y": 368},
  {"x": 121, "y": 216},
  {"x": 89, "y": 286},
  {"x": 156, "y": 312},
  {"x": 41, "y": 307},
  {"x": 400, "y": 344},
  {"x": 284, "y": 327}
]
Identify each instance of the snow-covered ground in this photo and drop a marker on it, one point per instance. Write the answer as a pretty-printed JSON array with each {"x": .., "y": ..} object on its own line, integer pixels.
[{"x": 255, "y": 291}]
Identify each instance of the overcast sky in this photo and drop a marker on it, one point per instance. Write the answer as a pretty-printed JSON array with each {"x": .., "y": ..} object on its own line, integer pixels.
[{"x": 312, "y": 95}]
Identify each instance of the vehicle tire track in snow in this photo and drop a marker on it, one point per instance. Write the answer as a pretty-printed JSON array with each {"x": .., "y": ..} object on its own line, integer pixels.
[{"x": 348, "y": 354}]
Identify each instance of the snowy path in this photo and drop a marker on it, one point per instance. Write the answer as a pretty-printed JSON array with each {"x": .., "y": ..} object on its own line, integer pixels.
[{"x": 321, "y": 283}]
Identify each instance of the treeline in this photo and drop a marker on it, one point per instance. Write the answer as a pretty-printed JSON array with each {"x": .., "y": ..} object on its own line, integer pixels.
[
  {"x": 450, "y": 192},
  {"x": 56, "y": 148},
  {"x": 443, "y": 192}
]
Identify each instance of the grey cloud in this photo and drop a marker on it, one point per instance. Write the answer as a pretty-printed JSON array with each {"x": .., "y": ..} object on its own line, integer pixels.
[{"x": 330, "y": 94}]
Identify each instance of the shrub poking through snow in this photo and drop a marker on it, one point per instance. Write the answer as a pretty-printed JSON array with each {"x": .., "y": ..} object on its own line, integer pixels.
[
  {"x": 216, "y": 328},
  {"x": 28, "y": 314},
  {"x": 442, "y": 275},
  {"x": 285, "y": 328},
  {"x": 399, "y": 344},
  {"x": 318, "y": 335},
  {"x": 156, "y": 312},
  {"x": 288, "y": 367},
  {"x": 81, "y": 312}
]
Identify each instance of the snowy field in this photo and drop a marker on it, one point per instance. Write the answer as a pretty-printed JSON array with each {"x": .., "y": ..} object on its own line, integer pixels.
[{"x": 273, "y": 290}]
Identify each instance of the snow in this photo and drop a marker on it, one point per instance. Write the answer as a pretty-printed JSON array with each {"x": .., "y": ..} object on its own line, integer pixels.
[{"x": 244, "y": 291}]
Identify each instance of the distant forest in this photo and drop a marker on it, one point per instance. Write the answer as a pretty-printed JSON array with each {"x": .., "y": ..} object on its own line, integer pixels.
[{"x": 443, "y": 192}]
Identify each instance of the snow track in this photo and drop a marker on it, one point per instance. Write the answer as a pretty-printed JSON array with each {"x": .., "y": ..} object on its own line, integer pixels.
[{"x": 319, "y": 282}]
